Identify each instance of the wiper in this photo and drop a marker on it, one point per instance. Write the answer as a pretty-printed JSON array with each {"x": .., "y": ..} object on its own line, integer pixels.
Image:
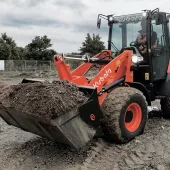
[{"x": 115, "y": 48}]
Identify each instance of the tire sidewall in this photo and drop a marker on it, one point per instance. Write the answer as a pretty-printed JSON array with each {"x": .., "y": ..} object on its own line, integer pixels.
[{"x": 136, "y": 98}]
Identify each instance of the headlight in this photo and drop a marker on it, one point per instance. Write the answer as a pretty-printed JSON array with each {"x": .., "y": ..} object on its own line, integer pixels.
[
  {"x": 136, "y": 59},
  {"x": 111, "y": 18}
]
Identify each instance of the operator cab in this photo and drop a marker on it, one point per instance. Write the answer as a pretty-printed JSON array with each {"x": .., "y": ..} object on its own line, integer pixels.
[
  {"x": 147, "y": 35},
  {"x": 124, "y": 31}
]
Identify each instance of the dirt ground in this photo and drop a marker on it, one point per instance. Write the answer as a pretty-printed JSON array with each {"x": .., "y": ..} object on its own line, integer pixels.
[{"x": 21, "y": 150}]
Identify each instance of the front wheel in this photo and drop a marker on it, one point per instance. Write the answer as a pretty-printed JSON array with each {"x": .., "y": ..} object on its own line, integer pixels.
[{"x": 125, "y": 114}]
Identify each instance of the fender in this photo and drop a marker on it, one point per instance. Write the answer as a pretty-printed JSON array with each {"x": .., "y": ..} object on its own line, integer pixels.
[{"x": 142, "y": 88}]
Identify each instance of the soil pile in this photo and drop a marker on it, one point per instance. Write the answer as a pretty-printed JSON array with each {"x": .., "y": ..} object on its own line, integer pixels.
[{"x": 47, "y": 100}]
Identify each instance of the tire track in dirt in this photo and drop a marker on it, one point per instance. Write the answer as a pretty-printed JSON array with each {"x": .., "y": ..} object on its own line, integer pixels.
[
  {"x": 149, "y": 151},
  {"x": 104, "y": 156}
]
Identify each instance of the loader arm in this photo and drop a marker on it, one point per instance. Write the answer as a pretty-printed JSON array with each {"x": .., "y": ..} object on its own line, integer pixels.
[
  {"x": 85, "y": 67},
  {"x": 109, "y": 73}
]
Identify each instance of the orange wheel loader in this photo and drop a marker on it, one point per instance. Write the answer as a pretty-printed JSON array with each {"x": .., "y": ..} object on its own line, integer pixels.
[{"x": 133, "y": 72}]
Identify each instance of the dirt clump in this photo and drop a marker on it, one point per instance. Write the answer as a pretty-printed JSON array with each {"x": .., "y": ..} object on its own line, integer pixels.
[
  {"x": 5, "y": 91},
  {"x": 46, "y": 100}
]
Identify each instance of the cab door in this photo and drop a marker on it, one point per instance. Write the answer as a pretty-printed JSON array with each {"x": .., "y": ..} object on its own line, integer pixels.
[{"x": 160, "y": 49}]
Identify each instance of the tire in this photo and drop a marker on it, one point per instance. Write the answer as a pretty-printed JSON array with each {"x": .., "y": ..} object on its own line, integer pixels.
[
  {"x": 165, "y": 106},
  {"x": 120, "y": 125}
]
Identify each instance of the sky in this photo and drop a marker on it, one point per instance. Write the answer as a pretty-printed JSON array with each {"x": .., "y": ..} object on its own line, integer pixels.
[{"x": 65, "y": 22}]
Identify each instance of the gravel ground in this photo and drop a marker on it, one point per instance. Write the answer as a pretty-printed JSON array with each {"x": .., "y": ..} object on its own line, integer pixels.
[
  {"x": 24, "y": 151},
  {"x": 20, "y": 150},
  {"x": 150, "y": 151}
]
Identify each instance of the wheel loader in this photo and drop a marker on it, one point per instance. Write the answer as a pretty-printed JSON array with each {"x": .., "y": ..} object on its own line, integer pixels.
[{"x": 132, "y": 72}]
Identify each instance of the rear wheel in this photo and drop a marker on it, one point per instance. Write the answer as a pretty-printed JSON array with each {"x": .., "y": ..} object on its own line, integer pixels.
[
  {"x": 125, "y": 114},
  {"x": 165, "y": 106}
]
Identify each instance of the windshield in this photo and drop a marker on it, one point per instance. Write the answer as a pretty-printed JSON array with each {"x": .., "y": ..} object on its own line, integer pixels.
[{"x": 126, "y": 30}]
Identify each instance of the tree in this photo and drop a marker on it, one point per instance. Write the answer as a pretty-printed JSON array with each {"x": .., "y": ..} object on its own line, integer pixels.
[
  {"x": 38, "y": 49},
  {"x": 8, "y": 48},
  {"x": 92, "y": 45},
  {"x": 22, "y": 52}
]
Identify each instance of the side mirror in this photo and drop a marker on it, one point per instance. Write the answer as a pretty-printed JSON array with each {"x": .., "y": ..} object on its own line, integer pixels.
[
  {"x": 98, "y": 22},
  {"x": 160, "y": 18}
]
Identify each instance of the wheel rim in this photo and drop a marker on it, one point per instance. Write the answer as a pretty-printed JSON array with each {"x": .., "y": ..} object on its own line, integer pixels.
[{"x": 133, "y": 117}]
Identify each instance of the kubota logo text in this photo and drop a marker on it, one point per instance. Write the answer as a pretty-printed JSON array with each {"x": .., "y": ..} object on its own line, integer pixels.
[{"x": 101, "y": 79}]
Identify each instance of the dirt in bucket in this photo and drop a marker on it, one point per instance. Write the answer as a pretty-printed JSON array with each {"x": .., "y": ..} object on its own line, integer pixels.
[{"x": 46, "y": 100}]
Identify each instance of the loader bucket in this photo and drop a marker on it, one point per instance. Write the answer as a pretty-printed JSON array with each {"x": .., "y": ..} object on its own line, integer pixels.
[{"x": 75, "y": 128}]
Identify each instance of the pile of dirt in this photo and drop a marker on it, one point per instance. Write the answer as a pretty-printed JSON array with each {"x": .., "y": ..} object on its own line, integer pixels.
[
  {"x": 46, "y": 100},
  {"x": 32, "y": 74}
]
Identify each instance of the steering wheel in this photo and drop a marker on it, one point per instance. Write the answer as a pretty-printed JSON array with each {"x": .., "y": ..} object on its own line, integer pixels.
[{"x": 137, "y": 45}]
